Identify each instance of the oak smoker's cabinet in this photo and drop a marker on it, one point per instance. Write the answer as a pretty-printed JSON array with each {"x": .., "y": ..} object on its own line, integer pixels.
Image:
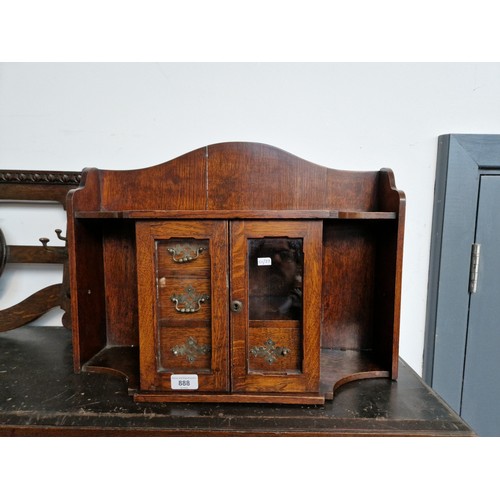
[{"x": 236, "y": 273}]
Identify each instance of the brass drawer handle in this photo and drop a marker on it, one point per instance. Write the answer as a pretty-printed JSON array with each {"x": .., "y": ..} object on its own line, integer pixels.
[
  {"x": 190, "y": 301},
  {"x": 270, "y": 351},
  {"x": 185, "y": 252}
]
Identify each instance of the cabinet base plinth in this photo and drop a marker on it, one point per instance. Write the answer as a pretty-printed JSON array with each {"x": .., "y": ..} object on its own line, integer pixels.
[{"x": 190, "y": 397}]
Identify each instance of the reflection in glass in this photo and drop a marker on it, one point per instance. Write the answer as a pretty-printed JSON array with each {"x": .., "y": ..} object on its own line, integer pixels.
[{"x": 275, "y": 278}]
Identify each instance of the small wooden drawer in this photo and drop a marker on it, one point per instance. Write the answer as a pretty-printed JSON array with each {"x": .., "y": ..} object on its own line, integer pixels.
[
  {"x": 184, "y": 256},
  {"x": 274, "y": 349},
  {"x": 184, "y": 299},
  {"x": 185, "y": 350}
]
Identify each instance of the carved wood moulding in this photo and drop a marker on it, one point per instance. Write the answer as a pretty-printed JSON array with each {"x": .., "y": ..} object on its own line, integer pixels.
[{"x": 39, "y": 177}]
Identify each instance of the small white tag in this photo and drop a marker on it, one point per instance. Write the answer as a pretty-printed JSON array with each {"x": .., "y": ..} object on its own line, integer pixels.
[
  {"x": 264, "y": 261},
  {"x": 184, "y": 382}
]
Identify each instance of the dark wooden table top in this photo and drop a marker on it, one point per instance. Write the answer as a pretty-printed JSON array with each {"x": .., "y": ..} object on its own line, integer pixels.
[{"x": 40, "y": 395}]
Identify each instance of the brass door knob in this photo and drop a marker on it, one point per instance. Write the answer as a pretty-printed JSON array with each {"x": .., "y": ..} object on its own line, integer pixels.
[{"x": 236, "y": 306}]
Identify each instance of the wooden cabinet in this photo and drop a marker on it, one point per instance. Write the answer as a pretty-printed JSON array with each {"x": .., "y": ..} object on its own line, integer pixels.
[
  {"x": 229, "y": 306},
  {"x": 198, "y": 281}
]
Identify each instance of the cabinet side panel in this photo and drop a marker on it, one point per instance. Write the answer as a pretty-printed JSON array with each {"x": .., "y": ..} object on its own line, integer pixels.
[
  {"x": 87, "y": 292},
  {"x": 120, "y": 277},
  {"x": 390, "y": 268},
  {"x": 387, "y": 298},
  {"x": 146, "y": 285},
  {"x": 85, "y": 271},
  {"x": 313, "y": 292},
  {"x": 348, "y": 285}
]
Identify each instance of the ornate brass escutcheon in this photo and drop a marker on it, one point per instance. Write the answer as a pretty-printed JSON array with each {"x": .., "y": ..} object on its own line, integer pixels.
[
  {"x": 191, "y": 349},
  {"x": 185, "y": 252},
  {"x": 190, "y": 301},
  {"x": 270, "y": 351}
]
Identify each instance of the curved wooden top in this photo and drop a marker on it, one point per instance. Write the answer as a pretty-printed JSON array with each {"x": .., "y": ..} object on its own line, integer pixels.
[{"x": 237, "y": 176}]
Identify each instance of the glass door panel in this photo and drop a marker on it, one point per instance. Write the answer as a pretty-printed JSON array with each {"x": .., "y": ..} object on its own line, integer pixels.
[{"x": 275, "y": 277}]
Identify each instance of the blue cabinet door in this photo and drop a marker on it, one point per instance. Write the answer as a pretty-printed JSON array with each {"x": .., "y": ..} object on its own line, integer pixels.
[{"x": 481, "y": 382}]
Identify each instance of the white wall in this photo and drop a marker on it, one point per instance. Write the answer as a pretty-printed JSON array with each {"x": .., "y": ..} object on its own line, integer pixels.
[{"x": 351, "y": 116}]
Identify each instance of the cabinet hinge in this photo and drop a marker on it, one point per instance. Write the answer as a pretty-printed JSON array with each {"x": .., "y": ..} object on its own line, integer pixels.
[{"x": 474, "y": 267}]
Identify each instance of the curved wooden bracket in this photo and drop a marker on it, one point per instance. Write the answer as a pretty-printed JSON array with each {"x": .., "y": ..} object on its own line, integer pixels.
[{"x": 30, "y": 308}]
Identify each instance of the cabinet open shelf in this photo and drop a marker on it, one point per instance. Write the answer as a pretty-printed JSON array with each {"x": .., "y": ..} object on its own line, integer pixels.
[
  {"x": 337, "y": 368},
  {"x": 263, "y": 277}
]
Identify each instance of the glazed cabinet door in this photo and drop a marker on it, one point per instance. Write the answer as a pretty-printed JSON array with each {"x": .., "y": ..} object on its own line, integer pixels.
[
  {"x": 275, "y": 305},
  {"x": 183, "y": 305}
]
